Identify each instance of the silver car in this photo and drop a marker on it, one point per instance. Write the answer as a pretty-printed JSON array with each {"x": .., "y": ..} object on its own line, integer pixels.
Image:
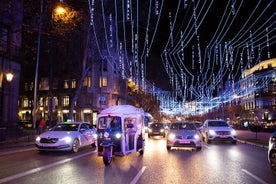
[
  {"x": 184, "y": 134},
  {"x": 66, "y": 137}
]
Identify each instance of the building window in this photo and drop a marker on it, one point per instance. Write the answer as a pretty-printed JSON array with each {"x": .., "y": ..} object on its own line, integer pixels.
[
  {"x": 65, "y": 84},
  {"x": 74, "y": 83},
  {"x": 25, "y": 102},
  {"x": 31, "y": 86},
  {"x": 26, "y": 87},
  {"x": 103, "y": 81},
  {"x": 87, "y": 82},
  {"x": 66, "y": 101}
]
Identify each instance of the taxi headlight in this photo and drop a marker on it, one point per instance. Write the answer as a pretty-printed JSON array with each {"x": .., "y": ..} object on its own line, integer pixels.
[
  {"x": 37, "y": 139},
  {"x": 212, "y": 132},
  {"x": 118, "y": 135},
  {"x": 66, "y": 139}
]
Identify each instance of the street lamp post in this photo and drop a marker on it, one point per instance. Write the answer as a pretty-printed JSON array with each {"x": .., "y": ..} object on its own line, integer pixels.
[{"x": 37, "y": 63}]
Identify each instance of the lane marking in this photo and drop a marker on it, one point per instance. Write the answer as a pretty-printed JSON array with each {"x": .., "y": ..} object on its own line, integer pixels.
[
  {"x": 16, "y": 151},
  {"x": 254, "y": 176},
  {"x": 32, "y": 171},
  {"x": 139, "y": 174}
]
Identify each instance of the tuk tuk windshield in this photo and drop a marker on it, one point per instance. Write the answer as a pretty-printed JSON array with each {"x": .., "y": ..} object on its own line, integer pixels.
[{"x": 113, "y": 122}]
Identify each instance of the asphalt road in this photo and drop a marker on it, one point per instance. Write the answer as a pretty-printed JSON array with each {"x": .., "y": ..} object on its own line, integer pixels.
[{"x": 215, "y": 163}]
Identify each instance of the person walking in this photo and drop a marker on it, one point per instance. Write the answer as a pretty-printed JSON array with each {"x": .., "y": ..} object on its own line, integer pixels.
[{"x": 42, "y": 124}]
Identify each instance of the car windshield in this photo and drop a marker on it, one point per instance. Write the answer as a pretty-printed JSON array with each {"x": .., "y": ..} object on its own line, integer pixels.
[
  {"x": 66, "y": 127},
  {"x": 182, "y": 126},
  {"x": 218, "y": 123},
  {"x": 156, "y": 125}
]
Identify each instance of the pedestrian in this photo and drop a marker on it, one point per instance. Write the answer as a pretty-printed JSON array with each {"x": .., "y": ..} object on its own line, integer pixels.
[{"x": 42, "y": 124}]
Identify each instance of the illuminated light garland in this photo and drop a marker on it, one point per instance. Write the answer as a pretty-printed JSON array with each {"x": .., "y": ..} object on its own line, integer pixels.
[
  {"x": 267, "y": 43},
  {"x": 216, "y": 62}
]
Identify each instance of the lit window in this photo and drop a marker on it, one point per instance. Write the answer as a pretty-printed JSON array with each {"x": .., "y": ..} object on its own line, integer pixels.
[
  {"x": 66, "y": 101},
  {"x": 25, "y": 102},
  {"x": 74, "y": 83},
  {"x": 103, "y": 81},
  {"x": 66, "y": 86},
  {"x": 87, "y": 82}
]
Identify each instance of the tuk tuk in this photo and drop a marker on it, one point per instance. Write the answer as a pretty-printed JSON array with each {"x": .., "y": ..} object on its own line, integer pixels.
[{"x": 120, "y": 131}]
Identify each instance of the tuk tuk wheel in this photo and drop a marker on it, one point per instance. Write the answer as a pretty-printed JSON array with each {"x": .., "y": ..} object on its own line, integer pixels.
[{"x": 107, "y": 155}]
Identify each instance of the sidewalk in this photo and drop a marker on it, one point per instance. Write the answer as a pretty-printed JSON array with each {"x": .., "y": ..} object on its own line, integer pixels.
[
  {"x": 258, "y": 139},
  {"x": 15, "y": 137}
]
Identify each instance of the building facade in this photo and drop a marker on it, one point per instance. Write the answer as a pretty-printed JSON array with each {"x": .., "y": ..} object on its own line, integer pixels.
[
  {"x": 259, "y": 87},
  {"x": 11, "y": 12}
]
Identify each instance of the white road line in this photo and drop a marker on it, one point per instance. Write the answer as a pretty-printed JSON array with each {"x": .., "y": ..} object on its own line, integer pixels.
[
  {"x": 254, "y": 176},
  {"x": 32, "y": 171},
  {"x": 16, "y": 151},
  {"x": 139, "y": 174}
]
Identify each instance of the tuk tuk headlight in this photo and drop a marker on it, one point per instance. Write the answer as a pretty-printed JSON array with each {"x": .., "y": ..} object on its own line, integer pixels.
[{"x": 118, "y": 135}]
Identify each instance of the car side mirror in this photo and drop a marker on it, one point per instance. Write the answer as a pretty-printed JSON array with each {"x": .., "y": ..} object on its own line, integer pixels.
[{"x": 82, "y": 130}]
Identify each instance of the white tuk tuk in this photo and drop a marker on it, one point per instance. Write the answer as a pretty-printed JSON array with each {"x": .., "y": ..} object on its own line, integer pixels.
[{"x": 120, "y": 131}]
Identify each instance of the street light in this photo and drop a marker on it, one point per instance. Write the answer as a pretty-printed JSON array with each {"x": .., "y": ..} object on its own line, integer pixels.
[{"x": 9, "y": 76}]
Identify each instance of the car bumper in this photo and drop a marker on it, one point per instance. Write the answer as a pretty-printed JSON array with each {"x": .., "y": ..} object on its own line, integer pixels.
[
  {"x": 222, "y": 138},
  {"x": 184, "y": 143},
  {"x": 64, "y": 147}
]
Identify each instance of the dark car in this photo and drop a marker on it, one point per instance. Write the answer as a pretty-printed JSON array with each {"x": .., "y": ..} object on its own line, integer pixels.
[
  {"x": 156, "y": 129},
  {"x": 272, "y": 152},
  {"x": 25, "y": 124}
]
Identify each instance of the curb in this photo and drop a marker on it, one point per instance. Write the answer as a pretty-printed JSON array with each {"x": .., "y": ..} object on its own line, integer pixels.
[{"x": 253, "y": 144}]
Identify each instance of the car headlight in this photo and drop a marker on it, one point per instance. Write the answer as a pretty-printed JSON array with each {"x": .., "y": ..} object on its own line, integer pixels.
[
  {"x": 233, "y": 132},
  {"x": 150, "y": 130},
  {"x": 171, "y": 136},
  {"x": 212, "y": 132},
  {"x": 272, "y": 140},
  {"x": 118, "y": 135},
  {"x": 66, "y": 139},
  {"x": 196, "y": 136},
  {"x": 162, "y": 130},
  {"x": 37, "y": 139}
]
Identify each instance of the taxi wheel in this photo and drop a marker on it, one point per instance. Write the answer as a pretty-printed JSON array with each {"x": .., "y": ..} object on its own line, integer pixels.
[{"x": 76, "y": 146}]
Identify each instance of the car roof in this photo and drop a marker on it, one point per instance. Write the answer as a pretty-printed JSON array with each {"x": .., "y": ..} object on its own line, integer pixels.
[{"x": 77, "y": 122}]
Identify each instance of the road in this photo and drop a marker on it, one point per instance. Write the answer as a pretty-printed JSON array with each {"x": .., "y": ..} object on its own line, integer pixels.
[{"x": 215, "y": 163}]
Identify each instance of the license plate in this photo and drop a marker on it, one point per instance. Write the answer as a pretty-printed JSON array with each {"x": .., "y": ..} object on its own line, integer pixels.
[
  {"x": 223, "y": 136},
  {"x": 155, "y": 132},
  {"x": 184, "y": 142}
]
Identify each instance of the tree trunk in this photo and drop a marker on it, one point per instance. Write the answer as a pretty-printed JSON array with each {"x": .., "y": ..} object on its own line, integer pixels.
[{"x": 75, "y": 96}]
